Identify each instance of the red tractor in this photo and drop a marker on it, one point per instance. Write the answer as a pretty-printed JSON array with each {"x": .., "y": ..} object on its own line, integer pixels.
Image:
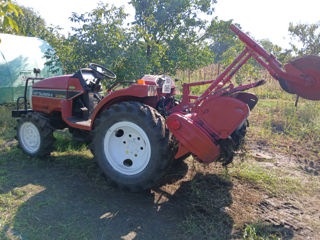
[{"x": 135, "y": 133}]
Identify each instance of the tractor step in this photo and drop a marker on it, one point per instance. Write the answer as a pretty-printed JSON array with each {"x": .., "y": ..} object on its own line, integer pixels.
[
  {"x": 85, "y": 112},
  {"x": 80, "y": 121}
]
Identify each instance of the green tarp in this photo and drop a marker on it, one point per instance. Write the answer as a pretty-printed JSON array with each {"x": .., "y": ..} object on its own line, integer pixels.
[{"x": 18, "y": 57}]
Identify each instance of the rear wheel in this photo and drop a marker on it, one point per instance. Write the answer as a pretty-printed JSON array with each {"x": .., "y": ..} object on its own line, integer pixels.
[
  {"x": 132, "y": 145},
  {"x": 35, "y": 134}
]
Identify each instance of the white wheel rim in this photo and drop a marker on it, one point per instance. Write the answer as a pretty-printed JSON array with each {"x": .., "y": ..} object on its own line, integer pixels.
[
  {"x": 29, "y": 137},
  {"x": 127, "y": 148}
]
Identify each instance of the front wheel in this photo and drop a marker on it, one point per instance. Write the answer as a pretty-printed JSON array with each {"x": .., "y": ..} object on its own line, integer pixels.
[
  {"x": 132, "y": 145},
  {"x": 35, "y": 134}
]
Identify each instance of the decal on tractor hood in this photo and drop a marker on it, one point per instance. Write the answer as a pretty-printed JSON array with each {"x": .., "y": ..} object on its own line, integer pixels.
[{"x": 52, "y": 93}]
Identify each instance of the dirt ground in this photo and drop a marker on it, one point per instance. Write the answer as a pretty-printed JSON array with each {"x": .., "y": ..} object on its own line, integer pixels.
[
  {"x": 297, "y": 211},
  {"x": 67, "y": 198}
]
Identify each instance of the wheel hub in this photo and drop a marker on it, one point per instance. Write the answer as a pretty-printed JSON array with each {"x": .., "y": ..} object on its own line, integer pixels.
[
  {"x": 30, "y": 137},
  {"x": 127, "y": 148}
]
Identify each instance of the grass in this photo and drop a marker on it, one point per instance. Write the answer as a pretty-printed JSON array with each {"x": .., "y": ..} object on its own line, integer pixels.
[
  {"x": 261, "y": 231},
  {"x": 32, "y": 190},
  {"x": 64, "y": 144},
  {"x": 275, "y": 182},
  {"x": 283, "y": 118},
  {"x": 7, "y": 124},
  {"x": 25, "y": 180}
]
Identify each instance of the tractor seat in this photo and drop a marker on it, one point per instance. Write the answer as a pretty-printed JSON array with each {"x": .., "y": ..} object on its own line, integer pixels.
[
  {"x": 88, "y": 76},
  {"x": 85, "y": 104}
]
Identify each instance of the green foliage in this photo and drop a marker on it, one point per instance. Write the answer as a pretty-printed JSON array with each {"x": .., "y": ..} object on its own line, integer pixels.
[
  {"x": 30, "y": 24},
  {"x": 7, "y": 11},
  {"x": 60, "y": 56},
  {"x": 221, "y": 37},
  {"x": 100, "y": 37},
  {"x": 167, "y": 32},
  {"x": 163, "y": 20},
  {"x": 283, "y": 55},
  {"x": 163, "y": 39},
  {"x": 252, "y": 69},
  {"x": 308, "y": 37},
  {"x": 248, "y": 71}
]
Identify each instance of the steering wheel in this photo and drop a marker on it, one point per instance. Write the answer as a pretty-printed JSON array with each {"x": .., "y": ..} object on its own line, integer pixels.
[{"x": 102, "y": 72}]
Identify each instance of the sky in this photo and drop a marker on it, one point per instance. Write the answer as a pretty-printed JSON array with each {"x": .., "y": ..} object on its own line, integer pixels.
[{"x": 263, "y": 19}]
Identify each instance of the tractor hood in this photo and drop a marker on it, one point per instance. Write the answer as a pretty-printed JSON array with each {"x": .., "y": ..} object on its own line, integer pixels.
[{"x": 60, "y": 82}]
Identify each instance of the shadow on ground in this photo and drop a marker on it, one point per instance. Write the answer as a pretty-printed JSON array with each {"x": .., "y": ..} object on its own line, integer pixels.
[{"x": 66, "y": 198}]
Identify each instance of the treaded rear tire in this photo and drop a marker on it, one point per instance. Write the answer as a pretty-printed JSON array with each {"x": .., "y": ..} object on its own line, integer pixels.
[
  {"x": 39, "y": 122},
  {"x": 154, "y": 127}
]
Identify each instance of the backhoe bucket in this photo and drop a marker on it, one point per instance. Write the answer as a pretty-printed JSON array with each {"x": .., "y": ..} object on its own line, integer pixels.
[{"x": 307, "y": 83}]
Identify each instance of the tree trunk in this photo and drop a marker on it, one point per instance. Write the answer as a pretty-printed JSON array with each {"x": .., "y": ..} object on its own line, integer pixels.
[{"x": 148, "y": 50}]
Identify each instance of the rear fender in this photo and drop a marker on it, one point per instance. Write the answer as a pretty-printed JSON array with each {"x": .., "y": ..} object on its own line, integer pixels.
[{"x": 132, "y": 93}]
